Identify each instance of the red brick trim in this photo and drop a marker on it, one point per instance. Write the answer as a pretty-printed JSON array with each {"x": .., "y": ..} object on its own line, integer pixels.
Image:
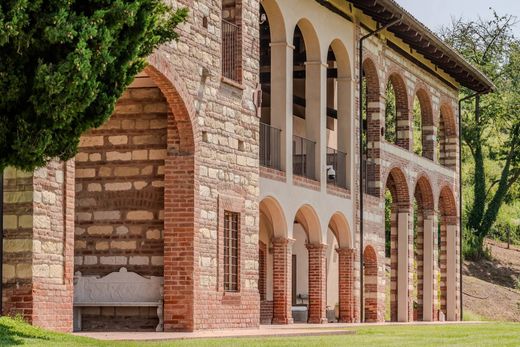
[
  {"x": 306, "y": 183},
  {"x": 338, "y": 191},
  {"x": 272, "y": 174}
]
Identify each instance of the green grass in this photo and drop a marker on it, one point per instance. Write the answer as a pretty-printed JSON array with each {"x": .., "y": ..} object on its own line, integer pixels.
[{"x": 14, "y": 332}]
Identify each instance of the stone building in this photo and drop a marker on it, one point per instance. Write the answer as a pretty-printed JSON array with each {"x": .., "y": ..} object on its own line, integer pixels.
[{"x": 231, "y": 170}]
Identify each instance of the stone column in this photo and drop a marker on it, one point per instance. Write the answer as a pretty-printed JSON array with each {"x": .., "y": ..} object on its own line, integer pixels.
[
  {"x": 452, "y": 304},
  {"x": 282, "y": 274},
  {"x": 428, "y": 266},
  {"x": 405, "y": 258},
  {"x": 347, "y": 301},
  {"x": 315, "y": 120},
  {"x": 317, "y": 283},
  {"x": 282, "y": 101},
  {"x": 39, "y": 245}
]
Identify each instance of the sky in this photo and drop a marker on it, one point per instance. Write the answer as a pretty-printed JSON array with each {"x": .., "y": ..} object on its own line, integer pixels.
[{"x": 436, "y": 13}]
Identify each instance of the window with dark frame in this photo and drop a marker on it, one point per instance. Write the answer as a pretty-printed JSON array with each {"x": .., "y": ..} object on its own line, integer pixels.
[
  {"x": 231, "y": 250},
  {"x": 231, "y": 40}
]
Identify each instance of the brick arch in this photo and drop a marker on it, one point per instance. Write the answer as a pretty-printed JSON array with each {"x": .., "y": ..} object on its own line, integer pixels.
[
  {"x": 447, "y": 217},
  {"x": 308, "y": 218},
  {"x": 423, "y": 192},
  {"x": 180, "y": 197},
  {"x": 374, "y": 125},
  {"x": 397, "y": 184},
  {"x": 371, "y": 280},
  {"x": 427, "y": 121},
  {"x": 447, "y": 136},
  {"x": 402, "y": 108},
  {"x": 274, "y": 213},
  {"x": 276, "y": 21},
  {"x": 425, "y": 204}
]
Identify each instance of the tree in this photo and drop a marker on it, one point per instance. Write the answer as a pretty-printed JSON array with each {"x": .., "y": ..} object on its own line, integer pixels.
[
  {"x": 491, "y": 131},
  {"x": 64, "y": 64}
]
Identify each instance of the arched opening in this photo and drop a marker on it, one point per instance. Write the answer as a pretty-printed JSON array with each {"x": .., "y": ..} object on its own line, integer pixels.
[
  {"x": 370, "y": 284},
  {"x": 423, "y": 126},
  {"x": 307, "y": 91},
  {"x": 273, "y": 55},
  {"x": 396, "y": 270},
  {"x": 423, "y": 237},
  {"x": 309, "y": 268},
  {"x": 272, "y": 284},
  {"x": 447, "y": 138},
  {"x": 340, "y": 271},
  {"x": 448, "y": 261},
  {"x": 397, "y": 128},
  {"x": 338, "y": 115},
  {"x": 125, "y": 187},
  {"x": 372, "y": 128}
]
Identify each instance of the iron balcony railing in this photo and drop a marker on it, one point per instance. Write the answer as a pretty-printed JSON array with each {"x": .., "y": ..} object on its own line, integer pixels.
[
  {"x": 304, "y": 154},
  {"x": 270, "y": 140},
  {"x": 230, "y": 51},
  {"x": 337, "y": 161}
]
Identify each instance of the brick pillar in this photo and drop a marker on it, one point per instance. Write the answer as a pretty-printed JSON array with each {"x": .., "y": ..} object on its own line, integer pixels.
[
  {"x": 39, "y": 245},
  {"x": 317, "y": 283},
  {"x": 347, "y": 301},
  {"x": 282, "y": 272}
]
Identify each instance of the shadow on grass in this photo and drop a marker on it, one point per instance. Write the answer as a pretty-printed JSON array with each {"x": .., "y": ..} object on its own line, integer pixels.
[
  {"x": 15, "y": 335},
  {"x": 492, "y": 271}
]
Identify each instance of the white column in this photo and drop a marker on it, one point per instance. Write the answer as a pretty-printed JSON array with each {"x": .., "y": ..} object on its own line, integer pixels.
[
  {"x": 345, "y": 126},
  {"x": 315, "y": 114},
  {"x": 451, "y": 272},
  {"x": 428, "y": 266},
  {"x": 402, "y": 266},
  {"x": 281, "y": 100}
]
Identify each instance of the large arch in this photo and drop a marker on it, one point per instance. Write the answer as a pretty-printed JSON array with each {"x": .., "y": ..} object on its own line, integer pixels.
[
  {"x": 397, "y": 241},
  {"x": 145, "y": 178},
  {"x": 371, "y": 115},
  {"x": 427, "y": 133},
  {"x": 339, "y": 113},
  {"x": 423, "y": 246},
  {"x": 370, "y": 283},
  {"x": 274, "y": 267},
  {"x": 401, "y": 123},
  {"x": 447, "y": 137},
  {"x": 448, "y": 260},
  {"x": 277, "y": 26}
]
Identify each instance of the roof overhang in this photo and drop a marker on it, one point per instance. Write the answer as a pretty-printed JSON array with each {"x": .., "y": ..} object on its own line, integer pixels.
[{"x": 425, "y": 42}]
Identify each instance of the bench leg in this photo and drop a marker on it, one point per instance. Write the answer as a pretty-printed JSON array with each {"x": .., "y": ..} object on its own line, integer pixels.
[
  {"x": 160, "y": 316},
  {"x": 76, "y": 319}
]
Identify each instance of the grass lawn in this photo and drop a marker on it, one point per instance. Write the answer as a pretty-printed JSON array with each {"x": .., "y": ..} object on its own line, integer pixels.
[{"x": 15, "y": 333}]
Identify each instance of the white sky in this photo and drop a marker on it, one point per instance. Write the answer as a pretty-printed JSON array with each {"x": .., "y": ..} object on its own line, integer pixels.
[{"x": 435, "y": 13}]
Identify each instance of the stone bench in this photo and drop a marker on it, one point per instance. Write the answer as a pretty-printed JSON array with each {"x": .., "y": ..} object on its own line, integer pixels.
[{"x": 117, "y": 289}]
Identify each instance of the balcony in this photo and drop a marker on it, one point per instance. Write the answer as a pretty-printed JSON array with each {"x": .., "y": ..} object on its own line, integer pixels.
[
  {"x": 270, "y": 138},
  {"x": 304, "y": 157},
  {"x": 337, "y": 163}
]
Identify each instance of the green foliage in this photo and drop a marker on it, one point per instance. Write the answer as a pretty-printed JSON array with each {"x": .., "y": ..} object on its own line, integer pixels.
[
  {"x": 64, "y": 64},
  {"x": 388, "y": 222},
  {"x": 390, "y": 114},
  {"x": 491, "y": 129}
]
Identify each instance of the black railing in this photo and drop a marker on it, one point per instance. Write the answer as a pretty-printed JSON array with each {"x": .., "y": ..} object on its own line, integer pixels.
[
  {"x": 336, "y": 167},
  {"x": 304, "y": 154},
  {"x": 230, "y": 51},
  {"x": 270, "y": 148}
]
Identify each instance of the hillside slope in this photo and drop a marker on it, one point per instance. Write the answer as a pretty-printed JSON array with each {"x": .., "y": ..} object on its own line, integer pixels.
[{"x": 492, "y": 288}]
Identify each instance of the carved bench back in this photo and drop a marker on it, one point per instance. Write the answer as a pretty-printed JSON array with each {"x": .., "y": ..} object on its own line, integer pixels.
[{"x": 122, "y": 286}]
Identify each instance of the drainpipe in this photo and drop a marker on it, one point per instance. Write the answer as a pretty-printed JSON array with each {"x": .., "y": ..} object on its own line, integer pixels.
[
  {"x": 361, "y": 171},
  {"x": 1, "y": 240},
  {"x": 477, "y": 109}
]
